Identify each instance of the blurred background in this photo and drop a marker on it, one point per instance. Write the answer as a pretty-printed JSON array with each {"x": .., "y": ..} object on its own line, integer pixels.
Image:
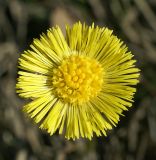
[{"x": 134, "y": 21}]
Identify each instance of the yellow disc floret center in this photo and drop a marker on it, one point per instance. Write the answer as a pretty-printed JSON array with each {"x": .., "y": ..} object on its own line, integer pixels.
[{"x": 77, "y": 79}]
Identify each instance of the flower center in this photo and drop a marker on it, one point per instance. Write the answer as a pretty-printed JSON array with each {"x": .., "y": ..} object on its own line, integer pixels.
[{"x": 77, "y": 79}]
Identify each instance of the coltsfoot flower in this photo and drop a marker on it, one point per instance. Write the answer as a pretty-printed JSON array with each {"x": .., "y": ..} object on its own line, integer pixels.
[{"x": 79, "y": 84}]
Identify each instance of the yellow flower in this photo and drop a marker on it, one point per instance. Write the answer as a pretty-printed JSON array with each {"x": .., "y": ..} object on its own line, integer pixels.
[{"x": 79, "y": 85}]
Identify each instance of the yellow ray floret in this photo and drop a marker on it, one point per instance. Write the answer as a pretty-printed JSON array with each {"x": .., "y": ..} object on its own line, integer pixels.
[{"x": 79, "y": 84}]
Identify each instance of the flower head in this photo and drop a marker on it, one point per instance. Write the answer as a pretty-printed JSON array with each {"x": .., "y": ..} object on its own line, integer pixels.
[{"x": 78, "y": 85}]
